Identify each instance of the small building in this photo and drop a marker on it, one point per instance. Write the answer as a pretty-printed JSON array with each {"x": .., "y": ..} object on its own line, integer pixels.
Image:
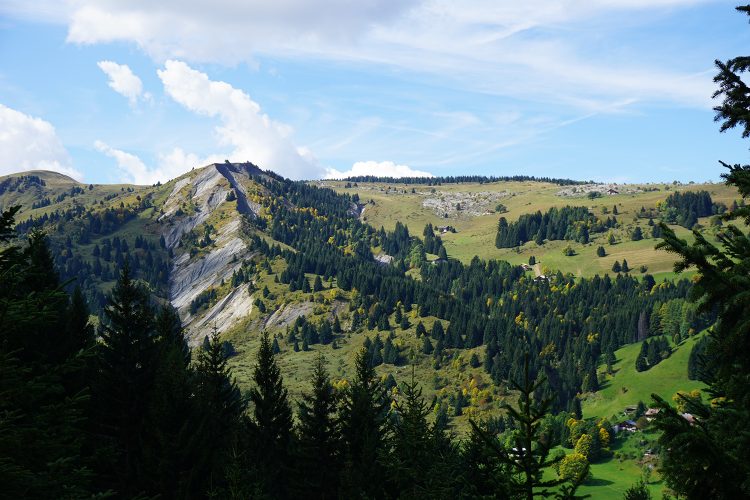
[
  {"x": 612, "y": 191},
  {"x": 526, "y": 267},
  {"x": 651, "y": 413},
  {"x": 625, "y": 426}
]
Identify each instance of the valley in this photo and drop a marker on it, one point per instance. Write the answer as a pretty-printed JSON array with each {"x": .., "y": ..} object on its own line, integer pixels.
[{"x": 328, "y": 267}]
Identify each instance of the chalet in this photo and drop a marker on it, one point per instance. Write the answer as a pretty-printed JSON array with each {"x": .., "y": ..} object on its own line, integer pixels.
[
  {"x": 611, "y": 191},
  {"x": 541, "y": 277},
  {"x": 625, "y": 426},
  {"x": 651, "y": 413}
]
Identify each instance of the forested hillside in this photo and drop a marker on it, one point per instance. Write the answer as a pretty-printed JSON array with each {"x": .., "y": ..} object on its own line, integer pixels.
[{"x": 390, "y": 310}]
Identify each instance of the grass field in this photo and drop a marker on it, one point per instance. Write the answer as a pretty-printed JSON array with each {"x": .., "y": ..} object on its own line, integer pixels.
[
  {"x": 627, "y": 386},
  {"x": 476, "y": 233},
  {"x": 612, "y": 476}
]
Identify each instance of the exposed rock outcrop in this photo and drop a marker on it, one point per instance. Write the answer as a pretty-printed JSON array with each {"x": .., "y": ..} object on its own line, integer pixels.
[{"x": 203, "y": 191}]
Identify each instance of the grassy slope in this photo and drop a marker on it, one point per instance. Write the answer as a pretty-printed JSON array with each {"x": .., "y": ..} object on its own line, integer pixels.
[
  {"x": 627, "y": 386},
  {"x": 476, "y": 235},
  {"x": 297, "y": 367}
]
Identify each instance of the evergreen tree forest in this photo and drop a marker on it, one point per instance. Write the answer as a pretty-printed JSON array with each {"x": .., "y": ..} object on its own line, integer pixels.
[
  {"x": 685, "y": 208},
  {"x": 437, "y": 181},
  {"x": 128, "y": 411},
  {"x": 567, "y": 223}
]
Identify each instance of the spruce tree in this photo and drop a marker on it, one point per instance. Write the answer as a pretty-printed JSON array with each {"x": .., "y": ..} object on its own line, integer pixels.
[
  {"x": 529, "y": 456},
  {"x": 318, "y": 461},
  {"x": 411, "y": 452},
  {"x": 712, "y": 459},
  {"x": 127, "y": 365},
  {"x": 43, "y": 378},
  {"x": 272, "y": 419},
  {"x": 363, "y": 415},
  {"x": 221, "y": 415}
]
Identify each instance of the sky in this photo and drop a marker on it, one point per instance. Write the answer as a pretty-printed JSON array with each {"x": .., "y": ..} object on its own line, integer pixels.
[{"x": 140, "y": 91}]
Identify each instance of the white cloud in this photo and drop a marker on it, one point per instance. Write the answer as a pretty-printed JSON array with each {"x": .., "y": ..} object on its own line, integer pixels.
[
  {"x": 225, "y": 30},
  {"x": 29, "y": 143},
  {"x": 135, "y": 171},
  {"x": 531, "y": 50},
  {"x": 376, "y": 168},
  {"x": 123, "y": 81},
  {"x": 251, "y": 134}
]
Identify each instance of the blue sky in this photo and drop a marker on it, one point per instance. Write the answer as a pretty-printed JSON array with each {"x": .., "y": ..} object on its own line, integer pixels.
[{"x": 115, "y": 90}]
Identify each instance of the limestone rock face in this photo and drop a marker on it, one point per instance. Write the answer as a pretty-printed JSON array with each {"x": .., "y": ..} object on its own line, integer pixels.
[{"x": 192, "y": 202}]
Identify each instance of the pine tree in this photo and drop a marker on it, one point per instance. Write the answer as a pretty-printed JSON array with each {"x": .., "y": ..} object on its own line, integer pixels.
[
  {"x": 485, "y": 475},
  {"x": 220, "y": 413},
  {"x": 600, "y": 252},
  {"x": 319, "y": 451},
  {"x": 625, "y": 267},
  {"x": 426, "y": 345},
  {"x": 442, "y": 254},
  {"x": 410, "y": 456},
  {"x": 363, "y": 415},
  {"x": 172, "y": 422},
  {"x": 272, "y": 419},
  {"x": 317, "y": 284},
  {"x": 616, "y": 267},
  {"x": 43, "y": 379},
  {"x": 529, "y": 456},
  {"x": 127, "y": 364}
]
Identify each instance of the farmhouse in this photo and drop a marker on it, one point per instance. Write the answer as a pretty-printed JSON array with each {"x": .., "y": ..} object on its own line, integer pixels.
[
  {"x": 651, "y": 413},
  {"x": 625, "y": 426}
]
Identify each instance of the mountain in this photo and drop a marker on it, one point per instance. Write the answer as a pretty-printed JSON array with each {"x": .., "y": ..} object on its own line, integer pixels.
[{"x": 239, "y": 249}]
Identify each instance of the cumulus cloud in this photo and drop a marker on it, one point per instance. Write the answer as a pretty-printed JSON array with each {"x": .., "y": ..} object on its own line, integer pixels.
[
  {"x": 29, "y": 143},
  {"x": 135, "y": 171},
  {"x": 123, "y": 81},
  {"x": 251, "y": 134},
  {"x": 376, "y": 168}
]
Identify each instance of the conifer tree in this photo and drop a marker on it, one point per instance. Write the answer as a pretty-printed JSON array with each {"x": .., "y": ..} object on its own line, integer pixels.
[
  {"x": 221, "y": 414},
  {"x": 363, "y": 415},
  {"x": 412, "y": 454},
  {"x": 43, "y": 367},
  {"x": 127, "y": 365},
  {"x": 272, "y": 419},
  {"x": 172, "y": 423},
  {"x": 529, "y": 456},
  {"x": 319, "y": 450},
  {"x": 712, "y": 458}
]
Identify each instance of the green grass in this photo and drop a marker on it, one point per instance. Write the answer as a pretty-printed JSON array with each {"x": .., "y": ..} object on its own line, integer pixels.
[
  {"x": 610, "y": 479},
  {"x": 627, "y": 386},
  {"x": 476, "y": 234}
]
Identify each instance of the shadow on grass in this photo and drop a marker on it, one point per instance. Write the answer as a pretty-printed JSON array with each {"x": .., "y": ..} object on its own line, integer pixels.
[{"x": 597, "y": 481}]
